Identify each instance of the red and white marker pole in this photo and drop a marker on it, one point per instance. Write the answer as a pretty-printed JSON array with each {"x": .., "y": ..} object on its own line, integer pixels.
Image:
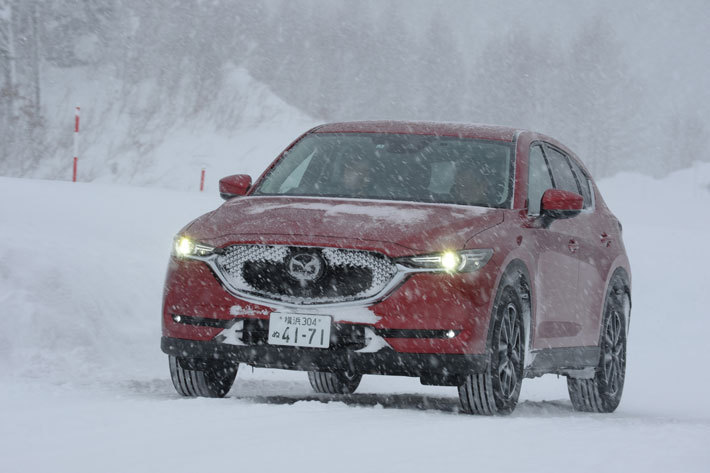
[
  {"x": 76, "y": 143},
  {"x": 202, "y": 180}
]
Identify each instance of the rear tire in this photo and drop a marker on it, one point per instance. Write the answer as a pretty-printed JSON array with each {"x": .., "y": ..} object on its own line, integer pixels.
[
  {"x": 334, "y": 383},
  {"x": 203, "y": 378},
  {"x": 496, "y": 391},
  {"x": 602, "y": 393}
]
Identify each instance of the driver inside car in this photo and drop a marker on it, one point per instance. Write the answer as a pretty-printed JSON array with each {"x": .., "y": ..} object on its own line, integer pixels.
[{"x": 471, "y": 186}]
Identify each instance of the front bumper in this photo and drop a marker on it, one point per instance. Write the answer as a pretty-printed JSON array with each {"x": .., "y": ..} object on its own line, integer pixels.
[
  {"x": 424, "y": 302},
  {"x": 385, "y": 361}
]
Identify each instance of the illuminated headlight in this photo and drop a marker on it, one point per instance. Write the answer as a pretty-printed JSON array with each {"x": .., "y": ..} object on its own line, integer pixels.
[
  {"x": 450, "y": 261},
  {"x": 464, "y": 261},
  {"x": 183, "y": 247}
]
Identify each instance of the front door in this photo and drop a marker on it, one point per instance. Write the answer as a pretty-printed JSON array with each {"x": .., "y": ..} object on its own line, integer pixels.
[{"x": 557, "y": 272}]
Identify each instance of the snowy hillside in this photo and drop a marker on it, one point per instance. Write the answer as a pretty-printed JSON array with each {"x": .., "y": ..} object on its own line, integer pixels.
[
  {"x": 161, "y": 136},
  {"x": 84, "y": 386}
]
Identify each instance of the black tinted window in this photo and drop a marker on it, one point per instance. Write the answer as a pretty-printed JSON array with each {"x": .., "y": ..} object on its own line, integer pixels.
[
  {"x": 561, "y": 171},
  {"x": 539, "y": 179},
  {"x": 583, "y": 183}
]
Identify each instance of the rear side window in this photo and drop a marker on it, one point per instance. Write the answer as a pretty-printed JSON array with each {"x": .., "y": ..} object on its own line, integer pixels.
[
  {"x": 583, "y": 182},
  {"x": 561, "y": 171},
  {"x": 538, "y": 179}
]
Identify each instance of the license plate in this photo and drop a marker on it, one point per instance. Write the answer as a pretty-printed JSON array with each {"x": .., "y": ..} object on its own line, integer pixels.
[{"x": 299, "y": 330}]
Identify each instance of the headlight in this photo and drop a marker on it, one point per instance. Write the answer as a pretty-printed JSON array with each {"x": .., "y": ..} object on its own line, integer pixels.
[
  {"x": 183, "y": 247},
  {"x": 464, "y": 261}
]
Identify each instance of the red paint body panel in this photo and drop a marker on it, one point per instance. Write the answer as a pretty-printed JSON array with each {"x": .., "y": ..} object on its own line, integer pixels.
[
  {"x": 554, "y": 199},
  {"x": 569, "y": 264},
  {"x": 424, "y": 301},
  {"x": 237, "y": 184},
  {"x": 300, "y": 220}
]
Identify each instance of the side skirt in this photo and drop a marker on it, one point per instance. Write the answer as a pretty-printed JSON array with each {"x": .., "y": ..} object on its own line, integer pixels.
[{"x": 577, "y": 362}]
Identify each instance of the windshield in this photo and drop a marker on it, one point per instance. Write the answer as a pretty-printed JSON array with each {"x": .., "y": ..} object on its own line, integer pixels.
[{"x": 419, "y": 168}]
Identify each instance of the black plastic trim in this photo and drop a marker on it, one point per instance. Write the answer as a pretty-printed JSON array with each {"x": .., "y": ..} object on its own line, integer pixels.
[
  {"x": 382, "y": 332},
  {"x": 385, "y": 361},
  {"x": 408, "y": 333},
  {"x": 203, "y": 321},
  {"x": 559, "y": 360}
]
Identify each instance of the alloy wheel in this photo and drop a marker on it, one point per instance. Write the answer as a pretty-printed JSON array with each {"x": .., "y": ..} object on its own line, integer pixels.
[
  {"x": 510, "y": 353},
  {"x": 614, "y": 353}
]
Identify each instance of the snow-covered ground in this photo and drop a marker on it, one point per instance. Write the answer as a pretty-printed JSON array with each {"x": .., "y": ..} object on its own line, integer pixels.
[{"x": 84, "y": 386}]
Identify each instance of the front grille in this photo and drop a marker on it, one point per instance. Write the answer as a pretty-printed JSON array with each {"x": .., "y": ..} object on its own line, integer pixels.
[{"x": 304, "y": 275}]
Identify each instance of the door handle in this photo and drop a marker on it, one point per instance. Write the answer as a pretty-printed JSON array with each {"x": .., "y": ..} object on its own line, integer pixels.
[
  {"x": 605, "y": 239},
  {"x": 573, "y": 246}
]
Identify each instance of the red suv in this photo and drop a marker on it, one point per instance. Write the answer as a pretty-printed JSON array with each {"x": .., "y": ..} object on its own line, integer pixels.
[{"x": 465, "y": 255}]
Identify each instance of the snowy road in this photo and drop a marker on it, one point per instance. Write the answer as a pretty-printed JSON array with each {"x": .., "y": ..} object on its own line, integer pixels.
[
  {"x": 272, "y": 423},
  {"x": 84, "y": 386}
]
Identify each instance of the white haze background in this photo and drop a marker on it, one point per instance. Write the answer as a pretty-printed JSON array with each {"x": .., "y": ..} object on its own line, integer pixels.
[
  {"x": 624, "y": 83},
  {"x": 168, "y": 87}
]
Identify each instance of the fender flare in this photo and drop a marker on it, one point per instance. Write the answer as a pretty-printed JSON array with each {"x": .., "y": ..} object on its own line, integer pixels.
[
  {"x": 517, "y": 275},
  {"x": 619, "y": 278}
]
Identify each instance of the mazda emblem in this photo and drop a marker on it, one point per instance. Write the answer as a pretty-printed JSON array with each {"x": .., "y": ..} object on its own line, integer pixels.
[{"x": 305, "y": 267}]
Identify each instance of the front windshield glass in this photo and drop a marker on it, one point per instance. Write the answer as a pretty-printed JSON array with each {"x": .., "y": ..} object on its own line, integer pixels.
[{"x": 419, "y": 168}]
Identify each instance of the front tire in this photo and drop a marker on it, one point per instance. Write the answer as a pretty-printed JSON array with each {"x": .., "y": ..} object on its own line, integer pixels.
[
  {"x": 496, "y": 391},
  {"x": 204, "y": 378},
  {"x": 602, "y": 393},
  {"x": 334, "y": 383}
]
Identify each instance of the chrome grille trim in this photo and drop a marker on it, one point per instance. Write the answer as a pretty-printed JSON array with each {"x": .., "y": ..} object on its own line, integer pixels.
[
  {"x": 230, "y": 262},
  {"x": 229, "y": 265}
]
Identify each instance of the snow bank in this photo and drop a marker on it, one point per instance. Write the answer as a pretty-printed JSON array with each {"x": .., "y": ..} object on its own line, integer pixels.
[{"x": 81, "y": 273}]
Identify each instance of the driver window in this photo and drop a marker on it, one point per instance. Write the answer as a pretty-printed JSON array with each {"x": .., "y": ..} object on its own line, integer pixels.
[{"x": 539, "y": 179}]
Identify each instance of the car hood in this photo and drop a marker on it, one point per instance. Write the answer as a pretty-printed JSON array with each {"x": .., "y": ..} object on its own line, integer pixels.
[{"x": 398, "y": 228}]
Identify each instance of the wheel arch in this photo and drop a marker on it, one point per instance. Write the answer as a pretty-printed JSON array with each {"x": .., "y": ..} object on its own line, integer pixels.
[
  {"x": 516, "y": 275},
  {"x": 623, "y": 274},
  {"x": 620, "y": 267},
  {"x": 618, "y": 283}
]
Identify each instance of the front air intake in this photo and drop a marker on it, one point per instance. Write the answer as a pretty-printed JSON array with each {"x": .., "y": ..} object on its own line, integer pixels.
[{"x": 305, "y": 275}]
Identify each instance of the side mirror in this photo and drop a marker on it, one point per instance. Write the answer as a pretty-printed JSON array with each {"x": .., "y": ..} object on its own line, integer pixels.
[
  {"x": 234, "y": 186},
  {"x": 558, "y": 204}
]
